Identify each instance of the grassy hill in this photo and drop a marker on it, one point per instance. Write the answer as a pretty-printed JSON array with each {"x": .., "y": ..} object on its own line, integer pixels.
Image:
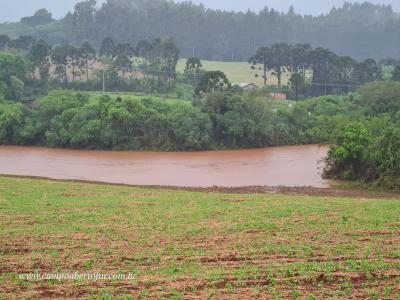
[
  {"x": 237, "y": 72},
  {"x": 189, "y": 245}
]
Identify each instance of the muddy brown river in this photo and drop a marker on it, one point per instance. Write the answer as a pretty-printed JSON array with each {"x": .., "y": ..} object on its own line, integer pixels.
[{"x": 280, "y": 166}]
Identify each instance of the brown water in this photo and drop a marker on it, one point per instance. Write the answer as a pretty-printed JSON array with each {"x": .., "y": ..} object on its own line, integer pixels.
[{"x": 288, "y": 166}]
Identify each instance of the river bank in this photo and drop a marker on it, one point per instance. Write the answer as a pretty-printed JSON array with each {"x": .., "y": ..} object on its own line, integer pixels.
[{"x": 336, "y": 190}]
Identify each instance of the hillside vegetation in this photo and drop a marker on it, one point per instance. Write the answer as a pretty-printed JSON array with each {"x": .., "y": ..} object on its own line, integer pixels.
[{"x": 220, "y": 35}]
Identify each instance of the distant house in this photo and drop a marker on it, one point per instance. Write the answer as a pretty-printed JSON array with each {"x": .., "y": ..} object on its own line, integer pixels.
[
  {"x": 278, "y": 96},
  {"x": 247, "y": 86}
]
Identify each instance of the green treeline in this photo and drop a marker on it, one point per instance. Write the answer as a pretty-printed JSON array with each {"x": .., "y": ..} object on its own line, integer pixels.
[
  {"x": 222, "y": 119},
  {"x": 29, "y": 68},
  {"x": 32, "y": 67},
  {"x": 219, "y": 35},
  {"x": 316, "y": 71},
  {"x": 74, "y": 120}
]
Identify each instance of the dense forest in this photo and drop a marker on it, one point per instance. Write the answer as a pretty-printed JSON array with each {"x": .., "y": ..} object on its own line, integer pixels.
[{"x": 357, "y": 30}]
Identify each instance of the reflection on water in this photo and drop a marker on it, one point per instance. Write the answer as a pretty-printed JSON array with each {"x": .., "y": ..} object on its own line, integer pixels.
[{"x": 288, "y": 166}]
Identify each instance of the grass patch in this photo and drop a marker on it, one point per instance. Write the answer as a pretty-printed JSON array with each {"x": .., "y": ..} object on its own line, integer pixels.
[{"x": 238, "y": 72}]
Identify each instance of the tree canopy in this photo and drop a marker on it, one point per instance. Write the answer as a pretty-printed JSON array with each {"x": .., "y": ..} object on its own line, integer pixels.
[{"x": 220, "y": 35}]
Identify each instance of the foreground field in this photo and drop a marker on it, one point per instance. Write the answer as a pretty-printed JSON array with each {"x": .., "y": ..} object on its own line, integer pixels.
[{"x": 195, "y": 245}]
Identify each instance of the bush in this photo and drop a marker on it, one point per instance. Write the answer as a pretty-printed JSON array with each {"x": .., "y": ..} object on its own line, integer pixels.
[
  {"x": 368, "y": 154},
  {"x": 67, "y": 119},
  {"x": 386, "y": 155},
  {"x": 380, "y": 97}
]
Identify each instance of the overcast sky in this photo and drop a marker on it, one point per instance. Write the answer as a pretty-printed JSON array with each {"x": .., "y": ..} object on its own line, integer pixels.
[{"x": 12, "y": 10}]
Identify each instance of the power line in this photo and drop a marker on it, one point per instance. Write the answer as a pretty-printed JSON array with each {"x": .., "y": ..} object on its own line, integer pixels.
[
  {"x": 230, "y": 74},
  {"x": 335, "y": 84}
]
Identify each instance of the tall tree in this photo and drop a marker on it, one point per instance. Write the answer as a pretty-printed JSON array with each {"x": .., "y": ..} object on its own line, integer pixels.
[
  {"x": 13, "y": 73},
  {"x": 276, "y": 58},
  {"x": 163, "y": 58},
  {"x": 17, "y": 87},
  {"x": 367, "y": 71},
  {"x": 212, "y": 81},
  {"x": 299, "y": 58},
  {"x": 143, "y": 48},
  {"x": 5, "y": 41},
  {"x": 279, "y": 60},
  {"x": 39, "y": 54},
  {"x": 108, "y": 48},
  {"x": 74, "y": 61},
  {"x": 344, "y": 67},
  {"x": 123, "y": 63},
  {"x": 61, "y": 58},
  {"x": 396, "y": 73},
  {"x": 86, "y": 55},
  {"x": 125, "y": 49},
  {"x": 40, "y": 17},
  {"x": 83, "y": 18},
  {"x": 321, "y": 61},
  {"x": 170, "y": 55},
  {"x": 155, "y": 59},
  {"x": 296, "y": 83},
  {"x": 192, "y": 70},
  {"x": 261, "y": 57},
  {"x": 23, "y": 43}
]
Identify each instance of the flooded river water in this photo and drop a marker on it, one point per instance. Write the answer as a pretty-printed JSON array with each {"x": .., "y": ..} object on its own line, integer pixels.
[{"x": 279, "y": 166}]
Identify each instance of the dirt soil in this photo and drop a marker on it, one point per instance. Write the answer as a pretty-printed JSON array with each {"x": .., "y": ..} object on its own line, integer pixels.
[
  {"x": 211, "y": 243},
  {"x": 251, "y": 190}
]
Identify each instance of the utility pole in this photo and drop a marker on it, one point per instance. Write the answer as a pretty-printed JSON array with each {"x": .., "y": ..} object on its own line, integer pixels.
[
  {"x": 194, "y": 46},
  {"x": 104, "y": 82}
]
